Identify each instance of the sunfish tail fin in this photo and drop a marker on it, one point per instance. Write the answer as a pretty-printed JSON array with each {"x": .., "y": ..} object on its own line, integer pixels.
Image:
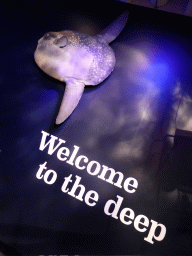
[{"x": 114, "y": 29}]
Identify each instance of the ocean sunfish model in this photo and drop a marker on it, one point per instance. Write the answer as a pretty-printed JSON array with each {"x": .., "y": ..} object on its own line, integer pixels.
[{"x": 78, "y": 60}]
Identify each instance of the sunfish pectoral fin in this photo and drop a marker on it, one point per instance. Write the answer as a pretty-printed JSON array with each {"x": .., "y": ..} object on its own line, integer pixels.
[
  {"x": 114, "y": 29},
  {"x": 72, "y": 95}
]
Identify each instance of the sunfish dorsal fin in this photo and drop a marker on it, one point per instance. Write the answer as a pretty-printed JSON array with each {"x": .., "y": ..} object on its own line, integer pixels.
[{"x": 114, "y": 29}]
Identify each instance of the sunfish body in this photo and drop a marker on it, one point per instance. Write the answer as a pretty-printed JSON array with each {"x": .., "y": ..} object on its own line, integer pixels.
[{"x": 78, "y": 60}]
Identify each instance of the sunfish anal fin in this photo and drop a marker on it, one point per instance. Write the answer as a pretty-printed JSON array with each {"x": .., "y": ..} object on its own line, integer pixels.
[{"x": 72, "y": 95}]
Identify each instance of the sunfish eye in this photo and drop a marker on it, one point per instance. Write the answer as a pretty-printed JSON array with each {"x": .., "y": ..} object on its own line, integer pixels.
[{"x": 61, "y": 42}]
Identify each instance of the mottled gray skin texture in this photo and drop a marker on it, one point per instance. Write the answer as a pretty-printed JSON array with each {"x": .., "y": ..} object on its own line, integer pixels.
[{"x": 77, "y": 59}]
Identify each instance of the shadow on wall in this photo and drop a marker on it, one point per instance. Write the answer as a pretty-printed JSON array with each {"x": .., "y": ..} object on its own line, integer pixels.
[{"x": 133, "y": 94}]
